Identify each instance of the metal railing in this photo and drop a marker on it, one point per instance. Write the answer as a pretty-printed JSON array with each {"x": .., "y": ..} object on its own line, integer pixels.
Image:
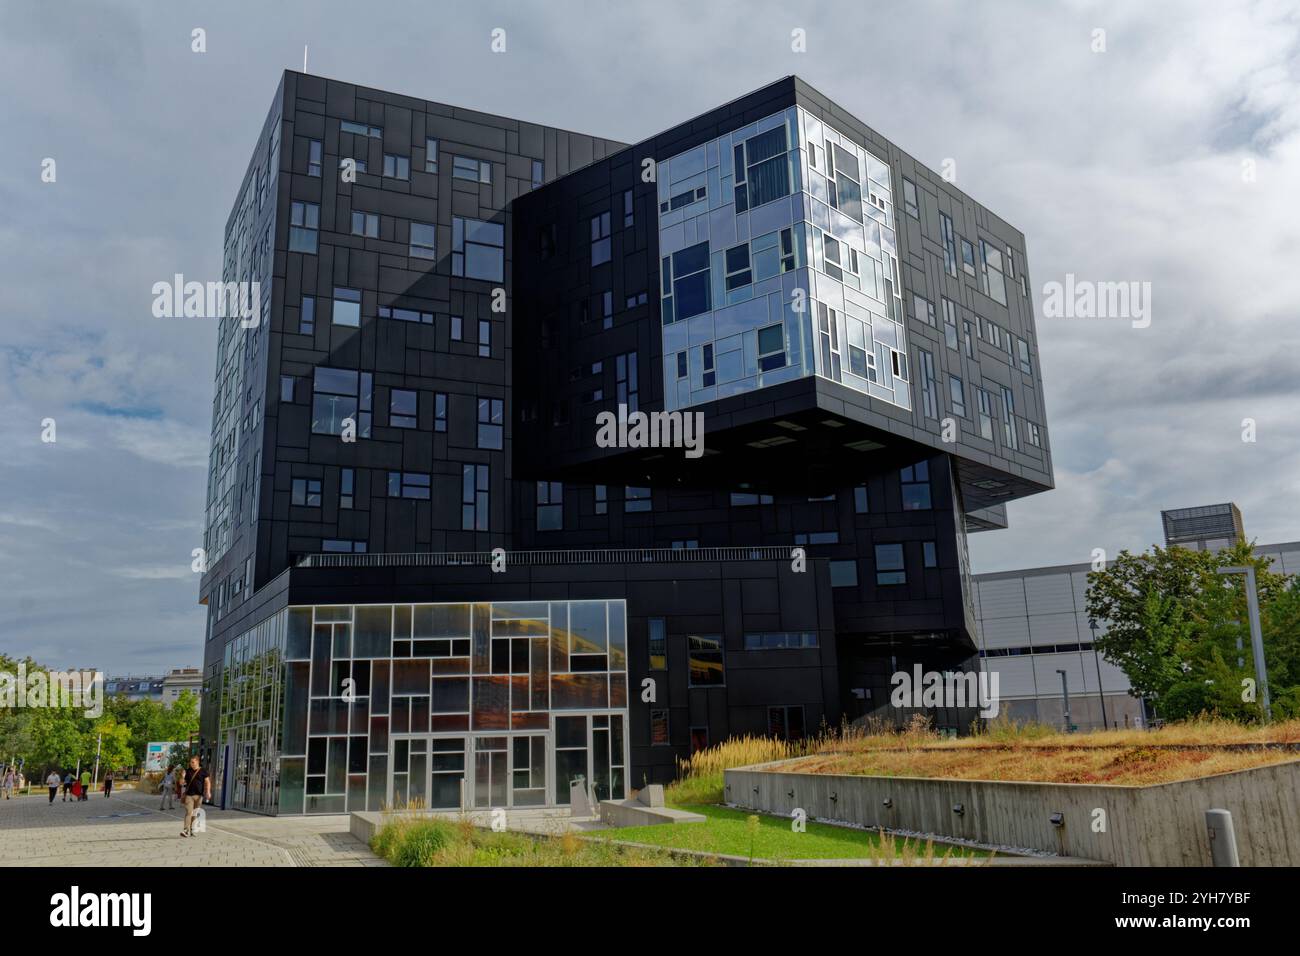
[{"x": 448, "y": 559}]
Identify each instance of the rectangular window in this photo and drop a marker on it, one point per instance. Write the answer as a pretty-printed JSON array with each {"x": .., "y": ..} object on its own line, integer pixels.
[
  {"x": 491, "y": 414},
  {"x": 361, "y": 129},
  {"x": 844, "y": 574},
  {"x": 924, "y": 310},
  {"x": 474, "y": 170},
  {"x": 741, "y": 499},
  {"x": 600, "y": 239},
  {"x": 402, "y": 408},
  {"x": 365, "y": 224},
  {"x": 313, "y": 157},
  {"x": 474, "y": 498},
  {"x": 484, "y": 338},
  {"x": 406, "y": 315},
  {"x": 636, "y": 499},
  {"x": 457, "y": 329},
  {"x": 408, "y": 484},
  {"x": 909, "y": 199},
  {"x": 539, "y": 176},
  {"x": 686, "y": 283},
  {"x": 929, "y": 396},
  {"x": 1009, "y": 418},
  {"x": 423, "y": 241},
  {"x": 705, "y": 655},
  {"x": 785, "y": 722},
  {"x": 985, "y": 402},
  {"x": 307, "y": 315},
  {"x": 771, "y": 347},
  {"x": 915, "y": 483},
  {"x": 1022, "y": 348},
  {"x": 762, "y": 170},
  {"x": 304, "y": 226},
  {"x": 627, "y": 208},
  {"x": 397, "y": 167},
  {"x": 477, "y": 249},
  {"x": 860, "y": 501},
  {"x": 347, "y": 484},
  {"x": 347, "y": 307},
  {"x": 338, "y": 546},
  {"x": 1035, "y": 436},
  {"x": 968, "y": 258},
  {"x": 967, "y": 343},
  {"x": 627, "y": 391},
  {"x": 602, "y": 499},
  {"x": 440, "y": 412},
  {"x": 890, "y": 568},
  {"x": 430, "y": 155},
  {"x": 949, "y": 244},
  {"x": 992, "y": 280},
  {"x": 780, "y": 640},
  {"x": 949, "y": 322},
  {"x": 659, "y": 727},
  {"x": 306, "y": 492},
  {"x": 737, "y": 266},
  {"x": 929, "y": 554},
  {"x": 957, "y": 391},
  {"x": 550, "y": 506},
  {"x": 658, "y": 643},
  {"x": 286, "y": 388},
  {"x": 339, "y": 396}
]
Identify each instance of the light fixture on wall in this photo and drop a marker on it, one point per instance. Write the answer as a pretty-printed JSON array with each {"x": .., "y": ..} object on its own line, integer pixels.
[
  {"x": 1058, "y": 819},
  {"x": 959, "y": 809},
  {"x": 887, "y": 803}
]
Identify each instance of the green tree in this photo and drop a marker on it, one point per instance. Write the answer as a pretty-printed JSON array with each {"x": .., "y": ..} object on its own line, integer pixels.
[
  {"x": 1180, "y": 630},
  {"x": 111, "y": 740}
]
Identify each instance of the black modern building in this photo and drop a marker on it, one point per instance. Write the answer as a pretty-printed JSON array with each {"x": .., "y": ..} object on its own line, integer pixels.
[{"x": 428, "y": 579}]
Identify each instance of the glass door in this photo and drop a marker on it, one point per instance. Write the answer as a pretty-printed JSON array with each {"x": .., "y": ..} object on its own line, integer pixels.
[
  {"x": 447, "y": 765},
  {"x": 571, "y": 750},
  {"x": 528, "y": 770},
  {"x": 607, "y": 769},
  {"x": 490, "y": 771}
]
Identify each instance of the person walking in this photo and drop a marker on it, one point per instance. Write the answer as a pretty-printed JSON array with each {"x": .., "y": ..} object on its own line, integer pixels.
[
  {"x": 10, "y": 781},
  {"x": 168, "y": 790},
  {"x": 68, "y": 781},
  {"x": 197, "y": 789},
  {"x": 52, "y": 781},
  {"x": 108, "y": 784},
  {"x": 85, "y": 785}
]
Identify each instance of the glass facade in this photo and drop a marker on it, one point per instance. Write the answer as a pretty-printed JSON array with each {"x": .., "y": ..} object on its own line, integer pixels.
[
  {"x": 337, "y": 708},
  {"x": 779, "y": 261},
  {"x": 252, "y": 708}
]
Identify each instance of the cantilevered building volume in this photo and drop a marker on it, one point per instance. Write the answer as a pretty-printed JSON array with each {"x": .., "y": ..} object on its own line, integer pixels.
[{"x": 428, "y": 580}]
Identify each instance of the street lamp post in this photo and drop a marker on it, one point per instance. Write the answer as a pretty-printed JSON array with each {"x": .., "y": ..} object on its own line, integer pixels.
[
  {"x": 1065, "y": 690},
  {"x": 1256, "y": 634},
  {"x": 1092, "y": 626}
]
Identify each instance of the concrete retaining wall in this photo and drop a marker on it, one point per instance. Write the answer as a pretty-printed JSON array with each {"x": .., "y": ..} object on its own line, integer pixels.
[{"x": 1161, "y": 825}]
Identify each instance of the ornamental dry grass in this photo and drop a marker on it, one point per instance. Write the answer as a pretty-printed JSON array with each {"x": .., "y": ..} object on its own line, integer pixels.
[{"x": 1005, "y": 751}]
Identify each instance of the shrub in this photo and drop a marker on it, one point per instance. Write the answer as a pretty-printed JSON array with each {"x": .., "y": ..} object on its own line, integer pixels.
[{"x": 421, "y": 842}]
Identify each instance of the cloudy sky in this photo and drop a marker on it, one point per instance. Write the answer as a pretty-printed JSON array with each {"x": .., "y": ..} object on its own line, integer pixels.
[{"x": 1169, "y": 158}]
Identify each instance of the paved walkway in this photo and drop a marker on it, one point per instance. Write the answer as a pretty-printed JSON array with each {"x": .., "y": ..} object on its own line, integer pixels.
[{"x": 130, "y": 830}]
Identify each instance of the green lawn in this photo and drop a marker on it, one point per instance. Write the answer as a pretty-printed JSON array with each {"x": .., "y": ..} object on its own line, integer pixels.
[{"x": 726, "y": 831}]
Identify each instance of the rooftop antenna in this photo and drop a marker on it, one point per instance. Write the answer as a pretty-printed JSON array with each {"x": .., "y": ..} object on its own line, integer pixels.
[{"x": 304, "y": 58}]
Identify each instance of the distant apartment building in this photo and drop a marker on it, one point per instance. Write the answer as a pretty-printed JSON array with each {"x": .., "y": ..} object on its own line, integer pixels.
[
  {"x": 179, "y": 680},
  {"x": 134, "y": 687},
  {"x": 165, "y": 689},
  {"x": 1034, "y": 624}
]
